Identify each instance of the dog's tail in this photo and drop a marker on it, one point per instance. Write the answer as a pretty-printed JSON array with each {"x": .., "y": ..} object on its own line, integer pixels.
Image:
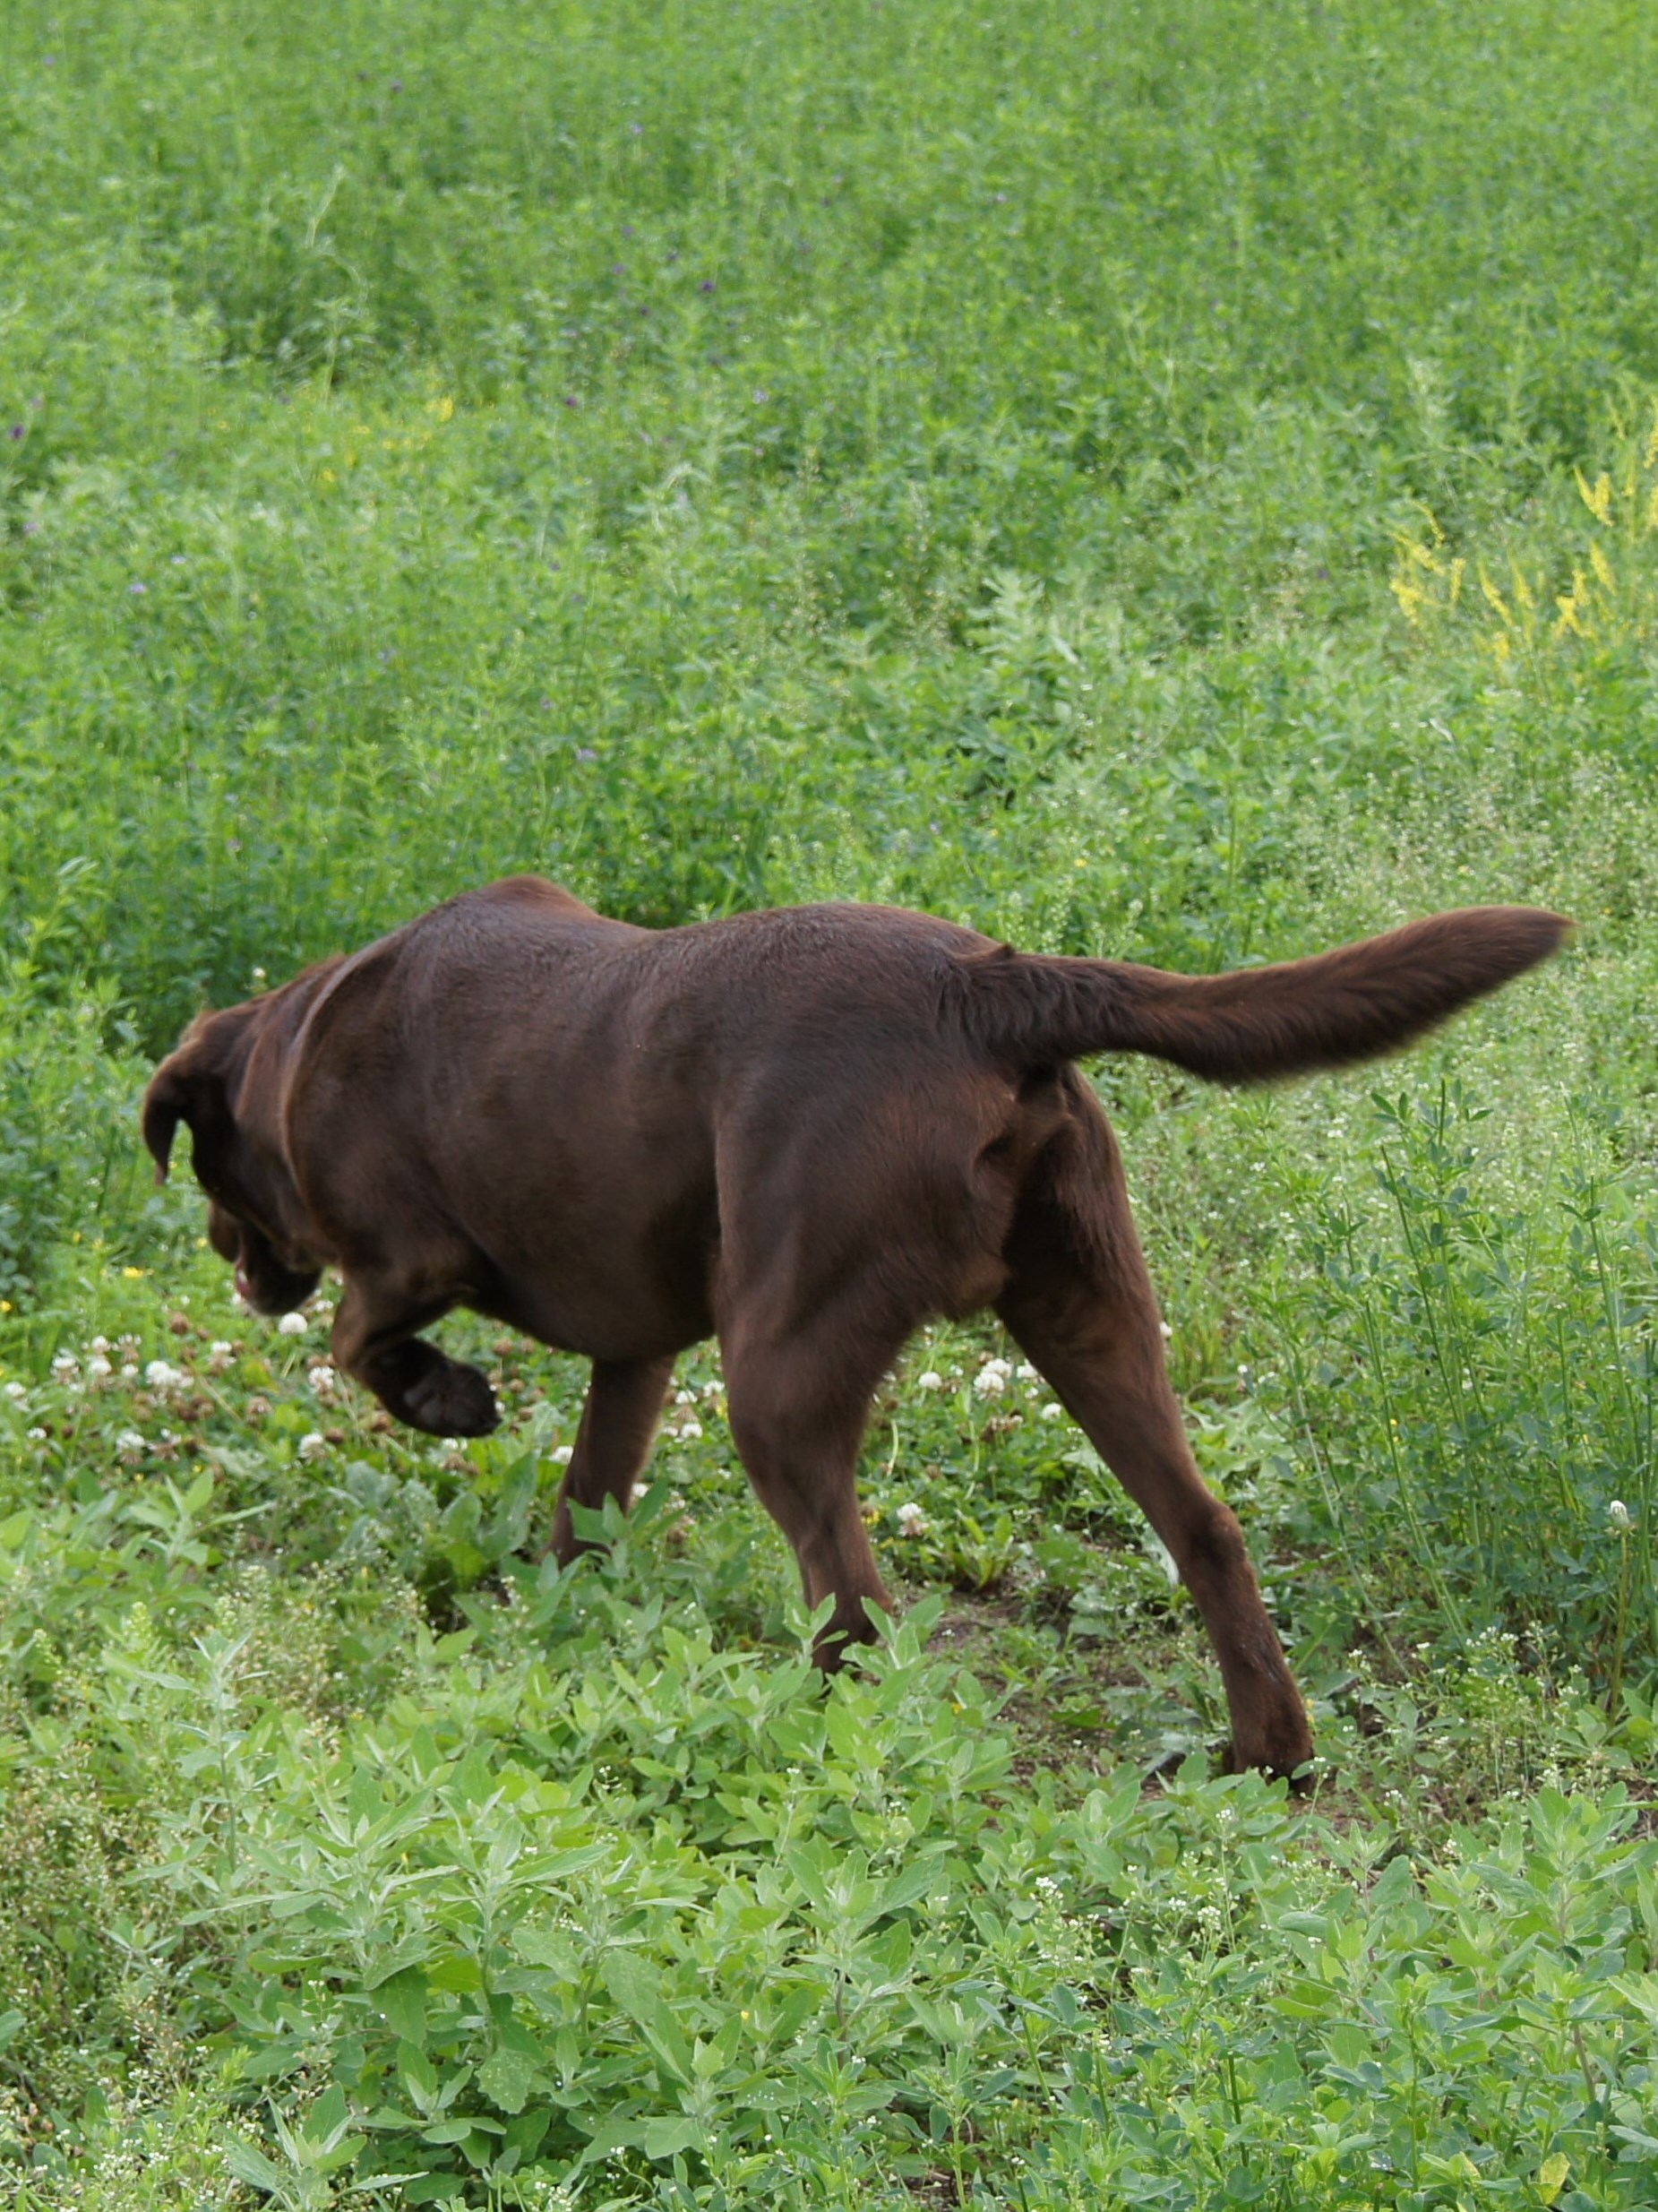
[{"x": 1254, "y": 1023}]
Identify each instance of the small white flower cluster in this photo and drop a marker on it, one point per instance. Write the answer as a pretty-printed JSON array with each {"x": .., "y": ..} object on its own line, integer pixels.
[
  {"x": 312, "y": 1445},
  {"x": 684, "y": 1427},
  {"x": 1620, "y": 1516},
  {"x": 129, "y": 1446},
  {"x": 324, "y": 1383},
  {"x": 930, "y": 1380},
  {"x": 911, "y": 1520},
  {"x": 562, "y": 1454},
  {"x": 163, "y": 1378},
  {"x": 17, "y": 1392},
  {"x": 992, "y": 1380},
  {"x": 219, "y": 1355},
  {"x": 292, "y": 1325}
]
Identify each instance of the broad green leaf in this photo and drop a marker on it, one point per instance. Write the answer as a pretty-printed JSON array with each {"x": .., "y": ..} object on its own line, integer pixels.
[{"x": 505, "y": 2076}]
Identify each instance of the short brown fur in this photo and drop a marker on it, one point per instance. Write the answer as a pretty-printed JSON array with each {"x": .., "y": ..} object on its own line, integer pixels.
[{"x": 806, "y": 1132}]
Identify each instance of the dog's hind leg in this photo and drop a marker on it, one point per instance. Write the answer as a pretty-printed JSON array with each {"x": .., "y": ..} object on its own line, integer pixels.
[
  {"x": 1080, "y": 1303},
  {"x": 799, "y": 1398},
  {"x": 374, "y": 1341},
  {"x": 618, "y": 1426}
]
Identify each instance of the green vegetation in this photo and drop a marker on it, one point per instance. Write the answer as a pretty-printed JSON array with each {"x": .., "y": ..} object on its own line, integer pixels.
[{"x": 1179, "y": 480}]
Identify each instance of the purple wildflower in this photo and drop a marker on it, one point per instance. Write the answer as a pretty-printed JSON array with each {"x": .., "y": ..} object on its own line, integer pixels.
[
  {"x": 138, "y": 589},
  {"x": 586, "y": 753},
  {"x": 707, "y": 285},
  {"x": 15, "y": 431}
]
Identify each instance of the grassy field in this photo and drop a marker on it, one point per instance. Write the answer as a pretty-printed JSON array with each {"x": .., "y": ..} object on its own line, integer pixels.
[{"x": 1178, "y": 480}]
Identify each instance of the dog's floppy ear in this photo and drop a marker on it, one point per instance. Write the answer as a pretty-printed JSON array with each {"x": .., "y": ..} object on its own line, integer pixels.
[
  {"x": 164, "y": 1109},
  {"x": 187, "y": 1087}
]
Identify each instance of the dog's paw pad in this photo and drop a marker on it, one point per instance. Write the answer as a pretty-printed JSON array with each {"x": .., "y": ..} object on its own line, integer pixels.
[{"x": 454, "y": 1400}]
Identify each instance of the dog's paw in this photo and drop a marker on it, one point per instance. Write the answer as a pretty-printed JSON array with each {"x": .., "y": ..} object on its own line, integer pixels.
[
  {"x": 847, "y": 1628},
  {"x": 451, "y": 1400},
  {"x": 1285, "y": 1755}
]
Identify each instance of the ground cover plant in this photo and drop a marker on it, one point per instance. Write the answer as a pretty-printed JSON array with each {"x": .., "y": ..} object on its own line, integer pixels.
[{"x": 1179, "y": 482}]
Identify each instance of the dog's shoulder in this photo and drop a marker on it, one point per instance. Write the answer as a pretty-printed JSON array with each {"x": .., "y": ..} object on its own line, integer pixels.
[{"x": 533, "y": 891}]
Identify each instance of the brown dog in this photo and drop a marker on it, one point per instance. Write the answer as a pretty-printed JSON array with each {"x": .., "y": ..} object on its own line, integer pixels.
[{"x": 807, "y": 1131}]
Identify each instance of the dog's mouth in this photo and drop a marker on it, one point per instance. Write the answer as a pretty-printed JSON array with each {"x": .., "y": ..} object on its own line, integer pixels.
[{"x": 270, "y": 1282}]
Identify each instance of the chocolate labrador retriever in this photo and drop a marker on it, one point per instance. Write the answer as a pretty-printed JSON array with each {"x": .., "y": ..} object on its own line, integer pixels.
[{"x": 806, "y": 1132}]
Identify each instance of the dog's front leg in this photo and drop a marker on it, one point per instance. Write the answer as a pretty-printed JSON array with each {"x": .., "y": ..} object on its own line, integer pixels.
[
  {"x": 375, "y": 1342},
  {"x": 613, "y": 1444}
]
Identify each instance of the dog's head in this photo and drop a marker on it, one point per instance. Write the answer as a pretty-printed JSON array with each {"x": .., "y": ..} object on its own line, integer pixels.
[{"x": 221, "y": 1083}]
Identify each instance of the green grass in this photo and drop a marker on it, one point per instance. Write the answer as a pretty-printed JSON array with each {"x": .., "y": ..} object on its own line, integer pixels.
[{"x": 1178, "y": 481}]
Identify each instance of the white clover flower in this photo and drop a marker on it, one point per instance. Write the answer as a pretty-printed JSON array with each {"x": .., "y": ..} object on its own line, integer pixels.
[
  {"x": 1001, "y": 1367},
  {"x": 219, "y": 1349},
  {"x": 639, "y": 1491},
  {"x": 932, "y": 1381},
  {"x": 98, "y": 1368},
  {"x": 160, "y": 1376},
  {"x": 98, "y": 1343},
  {"x": 1164, "y": 1332},
  {"x": 314, "y": 1445},
  {"x": 130, "y": 1445},
  {"x": 1053, "y": 1411},
  {"x": 989, "y": 1382},
  {"x": 912, "y": 1521},
  {"x": 1620, "y": 1516},
  {"x": 323, "y": 1378},
  {"x": 690, "y": 1431},
  {"x": 684, "y": 1398},
  {"x": 129, "y": 1370},
  {"x": 64, "y": 1366},
  {"x": 713, "y": 1389},
  {"x": 16, "y": 1392},
  {"x": 563, "y": 1454},
  {"x": 37, "y": 1436},
  {"x": 292, "y": 1325},
  {"x": 1026, "y": 1371}
]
